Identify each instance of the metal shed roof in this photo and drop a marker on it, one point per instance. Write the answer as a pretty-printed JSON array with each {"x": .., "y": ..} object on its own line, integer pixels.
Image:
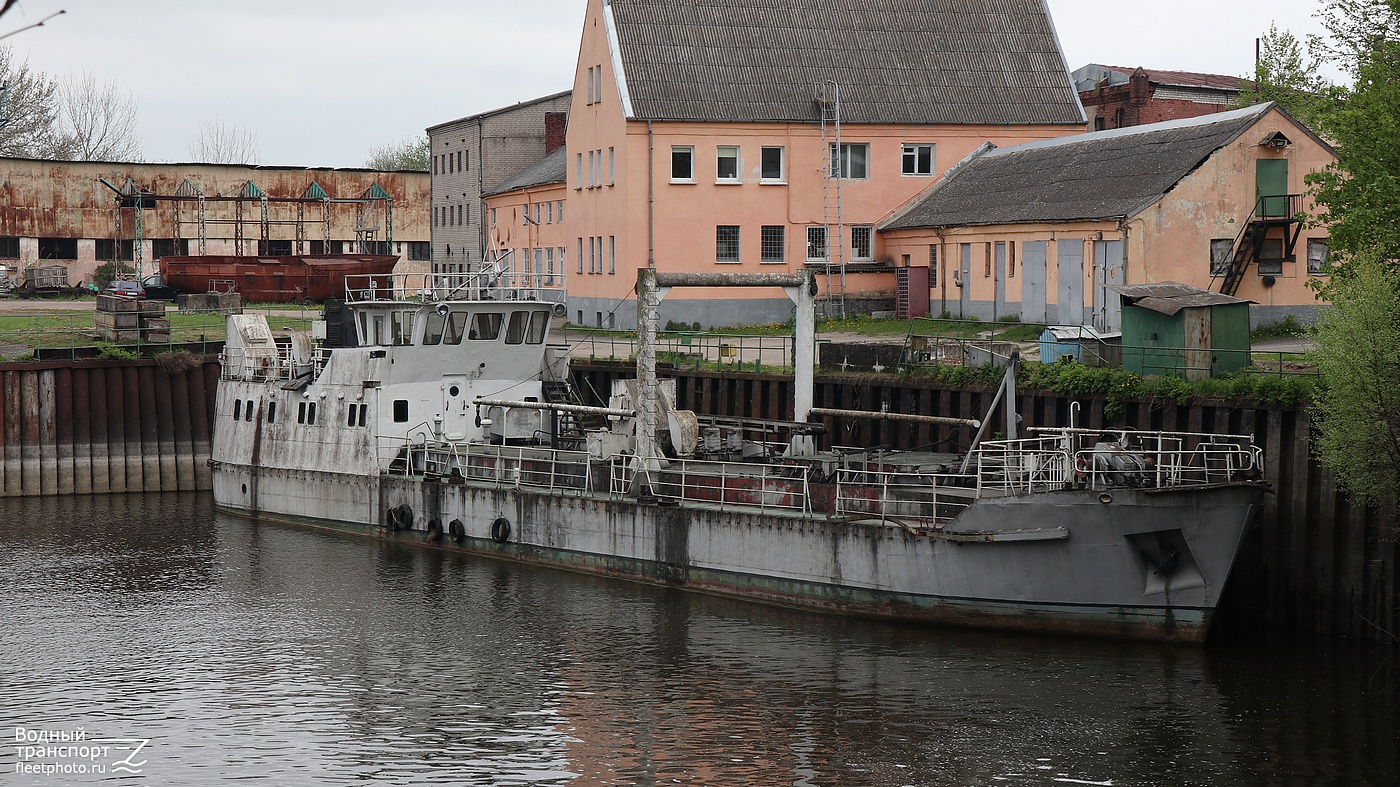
[
  {"x": 553, "y": 168},
  {"x": 896, "y": 61},
  {"x": 1170, "y": 297}
]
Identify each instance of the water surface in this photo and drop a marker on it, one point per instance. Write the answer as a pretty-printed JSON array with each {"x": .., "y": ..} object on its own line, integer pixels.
[{"x": 248, "y": 651}]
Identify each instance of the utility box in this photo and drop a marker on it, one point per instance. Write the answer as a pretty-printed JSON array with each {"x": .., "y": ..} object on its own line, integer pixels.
[
  {"x": 1081, "y": 343},
  {"x": 1173, "y": 328}
]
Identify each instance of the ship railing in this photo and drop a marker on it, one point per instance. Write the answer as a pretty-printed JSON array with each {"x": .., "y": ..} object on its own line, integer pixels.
[
  {"x": 919, "y": 498},
  {"x": 430, "y": 287},
  {"x": 260, "y": 365},
  {"x": 1120, "y": 457},
  {"x": 729, "y": 485},
  {"x": 502, "y": 466}
]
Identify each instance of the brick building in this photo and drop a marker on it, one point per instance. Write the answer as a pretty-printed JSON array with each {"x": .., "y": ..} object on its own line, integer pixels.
[
  {"x": 475, "y": 154},
  {"x": 1116, "y": 97}
]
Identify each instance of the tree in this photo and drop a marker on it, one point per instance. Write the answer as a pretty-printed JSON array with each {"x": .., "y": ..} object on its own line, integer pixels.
[
  {"x": 99, "y": 123},
  {"x": 1283, "y": 74},
  {"x": 224, "y": 143},
  {"x": 1359, "y": 195},
  {"x": 408, "y": 154},
  {"x": 30, "y": 103},
  {"x": 1358, "y": 356}
]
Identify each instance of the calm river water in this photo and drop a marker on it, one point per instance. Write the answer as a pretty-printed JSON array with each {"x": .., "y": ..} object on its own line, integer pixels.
[{"x": 192, "y": 647}]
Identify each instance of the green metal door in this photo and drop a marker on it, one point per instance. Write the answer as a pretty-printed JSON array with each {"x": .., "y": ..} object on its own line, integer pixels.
[{"x": 1271, "y": 187}]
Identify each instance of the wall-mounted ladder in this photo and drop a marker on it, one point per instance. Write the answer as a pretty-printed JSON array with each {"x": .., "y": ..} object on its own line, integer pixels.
[{"x": 833, "y": 218}]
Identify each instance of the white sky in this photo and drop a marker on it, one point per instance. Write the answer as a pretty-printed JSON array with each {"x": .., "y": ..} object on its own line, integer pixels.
[{"x": 321, "y": 82}]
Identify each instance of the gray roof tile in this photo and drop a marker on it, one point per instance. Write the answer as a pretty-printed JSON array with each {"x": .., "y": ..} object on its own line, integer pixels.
[
  {"x": 553, "y": 168},
  {"x": 1102, "y": 175},
  {"x": 896, "y": 61}
]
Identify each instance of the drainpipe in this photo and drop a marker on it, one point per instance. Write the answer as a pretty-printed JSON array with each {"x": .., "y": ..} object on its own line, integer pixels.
[{"x": 651, "y": 198}]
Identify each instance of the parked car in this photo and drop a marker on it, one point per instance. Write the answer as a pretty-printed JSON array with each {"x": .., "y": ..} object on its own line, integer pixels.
[
  {"x": 131, "y": 289},
  {"x": 157, "y": 290}
]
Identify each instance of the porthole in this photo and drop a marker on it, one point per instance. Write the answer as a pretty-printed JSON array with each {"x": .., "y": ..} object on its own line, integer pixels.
[{"x": 454, "y": 391}]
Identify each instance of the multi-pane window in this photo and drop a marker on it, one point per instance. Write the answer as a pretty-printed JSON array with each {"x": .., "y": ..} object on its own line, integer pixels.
[
  {"x": 682, "y": 164},
  {"x": 612, "y": 166},
  {"x": 771, "y": 165},
  {"x": 1220, "y": 249},
  {"x": 860, "y": 243},
  {"x": 578, "y": 182},
  {"x": 773, "y": 244},
  {"x": 918, "y": 159},
  {"x": 1318, "y": 263},
  {"x": 726, "y": 243},
  {"x": 580, "y": 256},
  {"x": 816, "y": 243},
  {"x": 559, "y": 210},
  {"x": 612, "y": 254},
  {"x": 727, "y": 163},
  {"x": 851, "y": 160},
  {"x": 933, "y": 265}
]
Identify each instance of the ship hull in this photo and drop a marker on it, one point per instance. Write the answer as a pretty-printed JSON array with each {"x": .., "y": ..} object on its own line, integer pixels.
[{"x": 1126, "y": 563}]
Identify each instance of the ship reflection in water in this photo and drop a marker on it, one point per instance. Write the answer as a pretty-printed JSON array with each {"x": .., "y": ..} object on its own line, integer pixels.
[{"x": 248, "y": 651}]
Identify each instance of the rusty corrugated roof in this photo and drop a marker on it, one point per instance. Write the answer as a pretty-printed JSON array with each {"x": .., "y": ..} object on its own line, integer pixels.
[
  {"x": 896, "y": 61},
  {"x": 1170, "y": 297}
]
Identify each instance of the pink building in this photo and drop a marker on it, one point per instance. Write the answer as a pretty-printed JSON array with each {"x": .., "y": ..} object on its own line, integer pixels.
[
  {"x": 771, "y": 136},
  {"x": 1039, "y": 231}
]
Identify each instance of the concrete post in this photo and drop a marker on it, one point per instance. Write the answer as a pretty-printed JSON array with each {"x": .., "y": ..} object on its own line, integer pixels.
[{"x": 804, "y": 351}]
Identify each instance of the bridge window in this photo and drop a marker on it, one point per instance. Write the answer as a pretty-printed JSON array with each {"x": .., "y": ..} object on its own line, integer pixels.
[
  {"x": 403, "y": 328},
  {"x": 519, "y": 321},
  {"x": 539, "y": 324},
  {"x": 248, "y": 411},
  {"x": 432, "y": 329},
  {"x": 401, "y": 411},
  {"x": 271, "y": 412},
  {"x": 237, "y": 409},
  {"x": 452, "y": 334},
  {"x": 486, "y": 326}
]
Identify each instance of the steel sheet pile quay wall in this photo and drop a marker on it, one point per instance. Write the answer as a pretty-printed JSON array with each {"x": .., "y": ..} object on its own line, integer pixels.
[
  {"x": 94, "y": 427},
  {"x": 1312, "y": 560}
]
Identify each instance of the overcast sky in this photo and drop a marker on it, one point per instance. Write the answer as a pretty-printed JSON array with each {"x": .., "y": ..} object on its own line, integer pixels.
[{"x": 322, "y": 82}]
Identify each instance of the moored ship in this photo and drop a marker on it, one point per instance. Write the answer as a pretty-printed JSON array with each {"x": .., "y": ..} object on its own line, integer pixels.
[
  {"x": 440, "y": 413},
  {"x": 305, "y": 278}
]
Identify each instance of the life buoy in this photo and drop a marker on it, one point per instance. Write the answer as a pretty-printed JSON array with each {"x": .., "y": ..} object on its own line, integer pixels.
[
  {"x": 500, "y": 530},
  {"x": 434, "y": 530},
  {"x": 457, "y": 530},
  {"x": 1081, "y": 468}
]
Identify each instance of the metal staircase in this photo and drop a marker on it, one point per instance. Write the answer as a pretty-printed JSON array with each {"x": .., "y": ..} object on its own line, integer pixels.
[
  {"x": 1270, "y": 213},
  {"x": 567, "y": 428},
  {"x": 834, "y": 268}
]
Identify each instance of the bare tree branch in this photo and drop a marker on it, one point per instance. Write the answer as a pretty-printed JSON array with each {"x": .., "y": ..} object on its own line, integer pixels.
[
  {"x": 31, "y": 106},
  {"x": 100, "y": 122},
  {"x": 224, "y": 143}
]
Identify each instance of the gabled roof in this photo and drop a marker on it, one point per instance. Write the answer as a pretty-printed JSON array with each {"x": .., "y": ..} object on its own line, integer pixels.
[
  {"x": 553, "y": 168},
  {"x": 1102, "y": 175},
  {"x": 896, "y": 61}
]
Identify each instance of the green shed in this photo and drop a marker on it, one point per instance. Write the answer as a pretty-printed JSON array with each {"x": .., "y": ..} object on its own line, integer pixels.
[{"x": 1173, "y": 328}]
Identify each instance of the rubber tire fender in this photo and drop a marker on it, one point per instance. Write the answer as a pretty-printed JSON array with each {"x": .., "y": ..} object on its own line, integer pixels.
[
  {"x": 434, "y": 530},
  {"x": 457, "y": 530},
  {"x": 500, "y": 530}
]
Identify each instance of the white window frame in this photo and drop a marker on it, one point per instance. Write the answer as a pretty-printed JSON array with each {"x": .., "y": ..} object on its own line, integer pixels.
[
  {"x": 782, "y": 165},
  {"x": 612, "y": 254},
  {"x": 580, "y": 255},
  {"x": 825, "y": 244},
  {"x": 843, "y": 160},
  {"x": 723, "y": 152},
  {"x": 869, "y": 232},
  {"x": 912, "y": 149},
  {"x": 612, "y": 166},
  {"x": 1324, "y": 266},
  {"x": 578, "y": 183},
  {"x": 688, "y": 150}
]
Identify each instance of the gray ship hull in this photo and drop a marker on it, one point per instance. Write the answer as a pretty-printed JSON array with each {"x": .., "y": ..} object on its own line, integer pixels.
[{"x": 1130, "y": 563}]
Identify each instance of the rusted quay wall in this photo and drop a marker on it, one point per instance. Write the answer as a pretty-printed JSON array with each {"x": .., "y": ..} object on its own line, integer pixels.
[
  {"x": 1313, "y": 560},
  {"x": 92, "y": 427}
]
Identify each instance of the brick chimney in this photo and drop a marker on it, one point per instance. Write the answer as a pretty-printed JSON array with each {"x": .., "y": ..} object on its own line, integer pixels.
[{"x": 555, "y": 124}]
